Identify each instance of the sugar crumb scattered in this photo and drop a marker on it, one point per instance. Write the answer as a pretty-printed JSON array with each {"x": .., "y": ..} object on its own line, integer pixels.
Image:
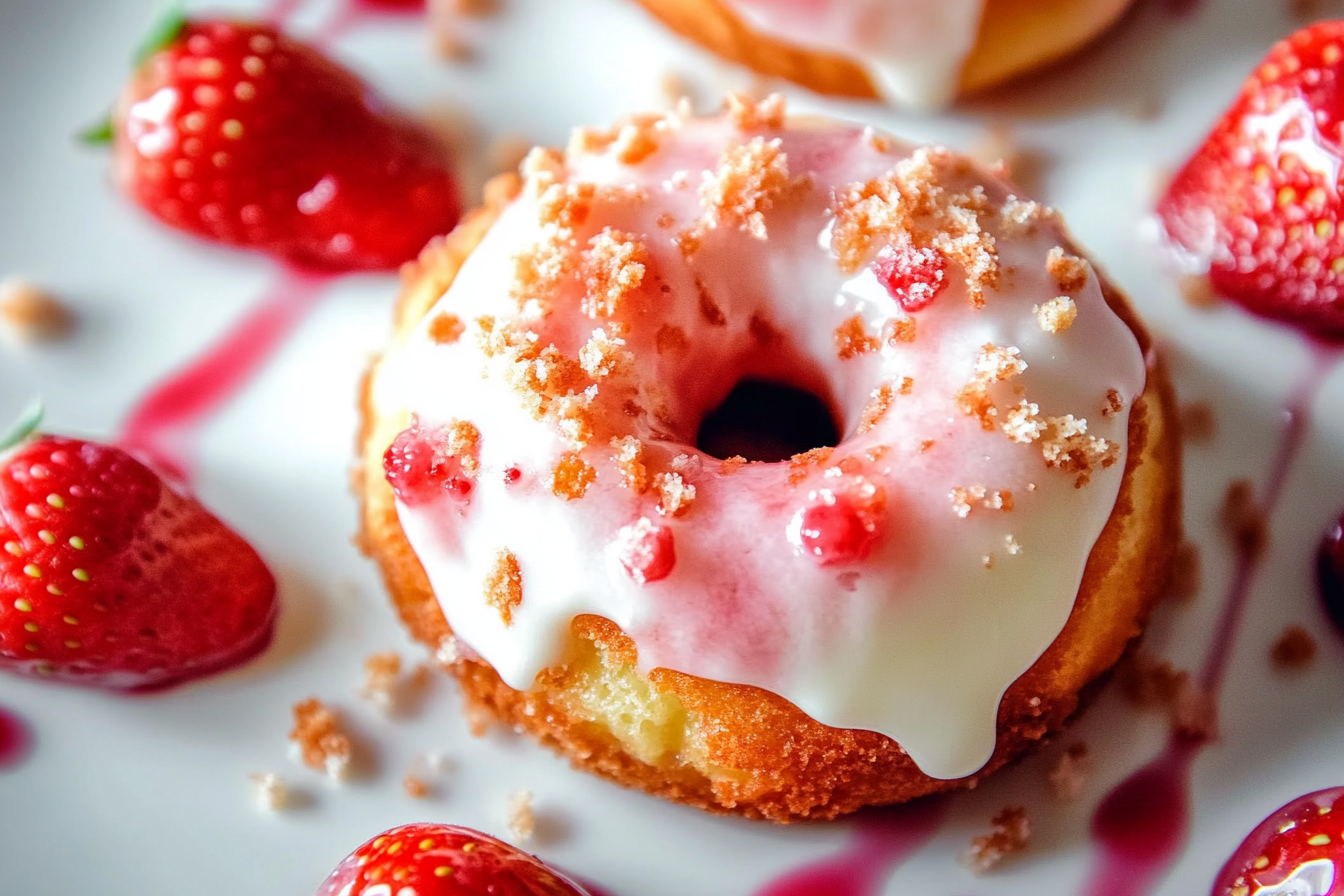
[
  {"x": 1056, "y": 315},
  {"x": 1294, "y": 649},
  {"x": 415, "y": 787},
  {"x": 1010, "y": 834},
  {"x": 675, "y": 494},
  {"x": 1069, "y": 271},
  {"x": 321, "y": 740},
  {"x": 504, "y": 585},
  {"x": 521, "y": 820},
  {"x": 1243, "y": 518},
  {"x": 1198, "y": 423},
  {"x": 30, "y": 314},
  {"x": 269, "y": 791}
]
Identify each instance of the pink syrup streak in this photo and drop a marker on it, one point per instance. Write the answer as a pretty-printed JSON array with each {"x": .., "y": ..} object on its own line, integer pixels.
[
  {"x": 164, "y": 426},
  {"x": 16, "y": 741},
  {"x": 879, "y": 842},
  {"x": 1141, "y": 826}
]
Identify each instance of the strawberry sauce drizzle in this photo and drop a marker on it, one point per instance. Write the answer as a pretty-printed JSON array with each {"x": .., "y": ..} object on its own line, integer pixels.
[
  {"x": 1141, "y": 826},
  {"x": 880, "y": 841},
  {"x": 164, "y": 426},
  {"x": 16, "y": 740}
]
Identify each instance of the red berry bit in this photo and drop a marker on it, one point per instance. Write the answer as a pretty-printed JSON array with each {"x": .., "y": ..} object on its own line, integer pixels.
[
  {"x": 838, "y": 528},
  {"x": 110, "y": 578},
  {"x": 1297, "y": 851},
  {"x": 443, "y": 860},
  {"x": 1258, "y": 206},
  {"x": 421, "y": 465},
  {"x": 646, "y": 551},
  {"x": 236, "y": 133},
  {"x": 913, "y": 276}
]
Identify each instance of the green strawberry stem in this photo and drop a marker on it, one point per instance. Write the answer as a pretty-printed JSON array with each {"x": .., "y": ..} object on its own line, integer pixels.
[
  {"x": 99, "y": 134},
  {"x": 26, "y": 425},
  {"x": 164, "y": 31}
]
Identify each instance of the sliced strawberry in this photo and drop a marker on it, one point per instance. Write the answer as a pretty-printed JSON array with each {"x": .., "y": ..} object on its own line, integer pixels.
[
  {"x": 1297, "y": 851},
  {"x": 443, "y": 860},
  {"x": 1259, "y": 204},
  {"x": 237, "y": 133},
  {"x": 110, "y": 578}
]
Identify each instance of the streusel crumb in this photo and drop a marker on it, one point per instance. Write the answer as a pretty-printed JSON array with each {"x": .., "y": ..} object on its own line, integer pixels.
[
  {"x": 522, "y": 820},
  {"x": 321, "y": 741},
  {"x": 675, "y": 494},
  {"x": 1243, "y": 518},
  {"x": 1069, "y": 271},
  {"x": 269, "y": 791},
  {"x": 414, "y": 786},
  {"x": 504, "y": 585},
  {"x": 613, "y": 267},
  {"x": 629, "y": 459},
  {"x": 1011, "y": 832},
  {"x": 571, "y": 476},
  {"x": 1198, "y": 423},
  {"x": 748, "y": 115},
  {"x": 851, "y": 340},
  {"x": 1056, "y": 315},
  {"x": 750, "y": 179},
  {"x": 31, "y": 314},
  {"x": 445, "y": 328}
]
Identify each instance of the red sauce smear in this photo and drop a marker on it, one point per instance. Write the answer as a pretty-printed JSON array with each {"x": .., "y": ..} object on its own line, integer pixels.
[
  {"x": 1141, "y": 826},
  {"x": 164, "y": 426},
  {"x": 16, "y": 740},
  {"x": 880, "y": 841}
]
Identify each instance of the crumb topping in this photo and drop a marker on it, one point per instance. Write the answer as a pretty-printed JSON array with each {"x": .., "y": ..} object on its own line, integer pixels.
[
  {"x": 414, "y": 786},
  {"x": 880, "y": 400},
  {"x": 1070, "y": 772},
  {"x": 1056, "y": 315},
  {"x": 993, "y": 364},
  {"x": 31, "y": 314},
  {"x": 629, "y": 458},
  {"x": 1114, "y": 403},
  {"x": 747, "y": 115},
  {"x": 613, "y": 266},
  {"x": 966, "y": 498},
  {"x": 675, "y": 494},
  {"x": 1069, "y": 271},
  {"x": 898, "y": 329},
  {"x": 571, "y": 476},
  {"x": 1243, "y": 518},
  {"x": 445, "y": 328},
  {"x": 1022, "y": 422},
  {"x": 463, "y": 440},
  {"x": 851, "y": 340},
  {"x": 1066, "y": 446},
  {"x": 800, "y": 465},
  {"x": 1198, "y": 423},
  {"x": 602, "y": 355},
  {"x": 522, "y": 820},
  {"x": 381, "y": 674},
  {"x": 730, "y": 465},
  {"x": 750, "y": 179},
  {"x": 709, "y": 308},
  {"x": 504, "y": 585},
  {"x": 911, "y": 204},
  {"x": 1184, "y": 580},
  {"x": 269, "y": 791},
  {"x": 1019, "y": 217},
  {"x": 321, "y": 740}
]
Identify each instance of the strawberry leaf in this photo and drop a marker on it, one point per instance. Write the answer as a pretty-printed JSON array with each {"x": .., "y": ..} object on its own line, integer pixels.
[
  {"x": 164, "y": 31},
  {"x": 26, "y": 425},
  {"x": 99, "y": 134}
]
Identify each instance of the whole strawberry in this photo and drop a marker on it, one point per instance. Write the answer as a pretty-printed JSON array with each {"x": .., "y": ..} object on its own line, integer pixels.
[
  {"x": 443, "y": 860},
  {"x": 1259, "y": 204},
  {"x": 110, "y": 578},
  {"x": 1296, "y": 850},
  {"x": 237, "y": 133}
]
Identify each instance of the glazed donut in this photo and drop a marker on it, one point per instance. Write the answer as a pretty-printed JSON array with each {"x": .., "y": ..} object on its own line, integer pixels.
[
  {"x": 910, "y": 52},
  {"x": 899, "y": 612}
]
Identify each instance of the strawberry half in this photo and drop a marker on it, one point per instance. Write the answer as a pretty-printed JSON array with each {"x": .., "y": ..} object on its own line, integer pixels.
[
  {"x": 1259, "y": 204},
  {"x": 1297, "y": 851},
  {"x": 110, "y": 578},
  {"x": 237, "y": 133},
  {"x": 443, "y": 860}
]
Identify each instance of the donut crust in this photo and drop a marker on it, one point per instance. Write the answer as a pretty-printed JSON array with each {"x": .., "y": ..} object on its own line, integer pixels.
[
  {"x": 1015, "y": 37},
  {"x": 739, "y": 749}
]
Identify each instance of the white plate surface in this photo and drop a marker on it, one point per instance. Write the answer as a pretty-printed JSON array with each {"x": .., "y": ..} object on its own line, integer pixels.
[{"x": 150, "y": 795}]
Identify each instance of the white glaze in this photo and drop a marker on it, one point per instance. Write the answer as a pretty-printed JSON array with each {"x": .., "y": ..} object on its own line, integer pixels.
[
  {"x": 918, "y": 642},
  {"x": 913, "y": 50}
]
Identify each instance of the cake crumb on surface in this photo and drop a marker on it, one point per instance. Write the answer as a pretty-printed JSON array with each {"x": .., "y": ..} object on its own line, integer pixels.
[
  {"x": 269, "y": 791},
  {"x": 749, "y": 115},
  {"x": 1113, "y": 404},
  {"x": 1069, "y": 271},
  {"x": 571, "y": 476},
  {"x": 445, "y": 328},
  {"x": 1010, "y": 834},
  {"x": 522, "y": 820},
  {"x": 851, "y": 340},
  {"x": 1294, "y": 649},
  {"x": 1148, "y": 681},
  {"x": 30, "y": 314},
  {"x": 1070, "y": 772},
  {"x": 415, "y": 786},
  {"x": 675, "y": 494},
  {"x": 751, "y": 178},
  {"x": 382, "y": 672},
  {"x": 320, "y": 738}
]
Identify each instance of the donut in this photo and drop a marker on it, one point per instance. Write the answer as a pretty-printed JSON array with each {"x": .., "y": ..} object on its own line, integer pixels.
[
  {"x": 898, "y": 609},
  {"x": 910, "y": 52}
]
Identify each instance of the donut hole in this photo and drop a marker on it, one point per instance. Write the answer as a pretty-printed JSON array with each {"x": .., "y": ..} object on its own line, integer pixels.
[{"x": 767, "y": 421}]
